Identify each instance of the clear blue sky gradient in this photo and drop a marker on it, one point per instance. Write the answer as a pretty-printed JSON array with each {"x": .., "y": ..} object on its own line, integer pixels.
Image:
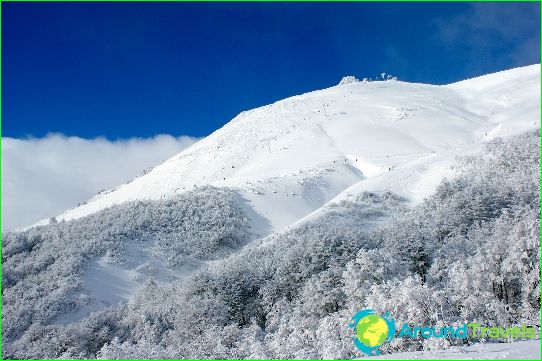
[{"x": 121, "y": 70}]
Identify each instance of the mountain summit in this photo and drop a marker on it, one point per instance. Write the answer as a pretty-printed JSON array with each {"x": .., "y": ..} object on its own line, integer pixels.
[{"x": 288, "y": 159}]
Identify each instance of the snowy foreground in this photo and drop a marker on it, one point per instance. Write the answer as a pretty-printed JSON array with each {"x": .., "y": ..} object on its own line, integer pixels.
[{"x": 521, "y": 350}]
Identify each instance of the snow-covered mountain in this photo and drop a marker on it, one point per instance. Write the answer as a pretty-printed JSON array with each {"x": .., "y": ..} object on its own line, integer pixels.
[
  {"x": 290, "y": 158},
  {"x": 335, "y": 180}
]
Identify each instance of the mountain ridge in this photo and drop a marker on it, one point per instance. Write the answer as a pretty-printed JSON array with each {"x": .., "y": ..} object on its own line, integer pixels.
[{"x": 290, "y": 158}]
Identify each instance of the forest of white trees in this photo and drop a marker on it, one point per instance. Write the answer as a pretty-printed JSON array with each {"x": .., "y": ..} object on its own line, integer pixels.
[{"x": 468, "y": 253}]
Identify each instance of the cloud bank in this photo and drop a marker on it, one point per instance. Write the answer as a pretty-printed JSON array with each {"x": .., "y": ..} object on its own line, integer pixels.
[{"x": 42, "y": 177}]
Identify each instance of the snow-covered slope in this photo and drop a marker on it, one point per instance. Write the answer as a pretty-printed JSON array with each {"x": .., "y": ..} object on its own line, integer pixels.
[
  {"x": 290, "y": 158},
  {"x": 286, "y": 162},
  {"x": 520, "y": 350}
]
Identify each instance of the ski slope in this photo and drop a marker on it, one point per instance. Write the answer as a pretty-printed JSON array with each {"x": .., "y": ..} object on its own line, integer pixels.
[{"x": 290, "y": 158}]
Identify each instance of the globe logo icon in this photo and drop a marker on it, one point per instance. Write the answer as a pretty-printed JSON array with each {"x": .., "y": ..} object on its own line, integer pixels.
[{"x": 371, "y": 331}]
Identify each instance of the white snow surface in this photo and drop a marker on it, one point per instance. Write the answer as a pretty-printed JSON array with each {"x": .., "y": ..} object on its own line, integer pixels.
[
  {"x": 520, "y": 350},
  {"x": 290, "y": 158}
]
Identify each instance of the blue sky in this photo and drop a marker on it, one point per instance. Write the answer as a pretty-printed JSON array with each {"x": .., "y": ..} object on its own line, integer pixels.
[{"x": 122, "y": 70}]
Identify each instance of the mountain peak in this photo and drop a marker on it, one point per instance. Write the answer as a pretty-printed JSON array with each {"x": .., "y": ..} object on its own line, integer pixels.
[{"x": 290, "y": 158}]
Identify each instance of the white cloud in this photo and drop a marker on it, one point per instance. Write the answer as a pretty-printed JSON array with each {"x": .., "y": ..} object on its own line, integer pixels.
[
  {"x": 41, "y": 177},
  {"x": 493, "y": 33}
]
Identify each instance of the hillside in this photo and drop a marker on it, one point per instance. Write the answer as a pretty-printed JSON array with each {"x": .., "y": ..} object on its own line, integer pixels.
[
  {"x": 290, "y": 158},
  {"x": 263, "y": 239}
]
